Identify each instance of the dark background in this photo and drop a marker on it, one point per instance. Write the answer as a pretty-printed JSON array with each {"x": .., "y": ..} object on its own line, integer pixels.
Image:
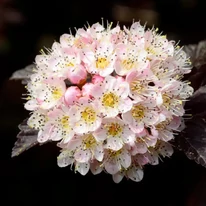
[{"x": 33, "y": 178}]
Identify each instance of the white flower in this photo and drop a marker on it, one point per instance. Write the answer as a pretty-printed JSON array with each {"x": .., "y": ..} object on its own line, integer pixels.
[
  {"x": 87, "y": 115},
  {"x": 99, "y": 59},
  {"x": 140, "y": 116},
  {"x": 115, "y": 133},
  {"x": 114, "y": 161},
  {"x": 133, "y": 172},
  {"x": 112, "y": 94},
  {"x": 86, "y": 148},
  {"x": 130, "y": 57},
  {"x": 59, "y": 126},
  {"x": 46, "y": 95}
]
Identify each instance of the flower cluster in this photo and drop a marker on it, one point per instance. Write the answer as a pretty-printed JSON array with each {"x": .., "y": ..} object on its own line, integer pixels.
[{"x": 112, "y": 98}]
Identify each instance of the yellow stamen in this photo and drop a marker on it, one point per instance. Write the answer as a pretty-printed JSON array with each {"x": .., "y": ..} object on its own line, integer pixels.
[
  {"x": 110, "y": 100},
  {"x": 57, "y": 93},
  {"x": 89, "y": 141},
  {"x": 89, "y": 115},
  {"x": 64, "y": 122},
  {"x": 128, "y": 64},
  {"x": 102, "y": 63},
  {"x": 138, "y": 112},
  {"x": 114, "y": 129}
]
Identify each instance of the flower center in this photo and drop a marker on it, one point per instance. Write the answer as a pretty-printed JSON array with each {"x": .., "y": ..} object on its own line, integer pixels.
[
  {"x": 69, "y": 64},
  {"x": 64, "y": 122},
  {"x": 137, "y": 86},
  {"x": 102, "y": 63},
  {"x": 114, "y": 154},
  {"x": 128, "y": 64},
  {"x": 89, "y": 115},
  {"x": 110, "y": 99},
  {"x": 89, "y": 141},
  {"x": 57, "y": 93},
  {"x": 113, "y": 129},
  {"x": 138, "y": 112},
  {"x": 166, "y": 100}
]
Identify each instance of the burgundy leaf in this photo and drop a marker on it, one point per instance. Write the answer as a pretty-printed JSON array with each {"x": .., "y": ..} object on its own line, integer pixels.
[
  {"x": 197, "y": 53},
  {"x": 193, "y": 139},
  {"x": 197, "y": 102},
  {"x": 23, "y": 74},
  {"x": 26, "y": 139}
]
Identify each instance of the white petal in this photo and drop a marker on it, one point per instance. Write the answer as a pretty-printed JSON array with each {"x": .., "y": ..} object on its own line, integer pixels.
[
  {"x": 128, "y": 136},
  {"x": 141, "y": 148},
  {"x": 166, "y": 135},
  {"x": 82, "y": 168},
  {"x": 31, "y": 105},
  {"x": 64, "y": 159},
  {"x": 165, "y": 149},
  {"x": 82, "y": 155},
  {"x": 100, "y": 135},
  {"x": 42, "y": 136},
  {"x": 95, "y": 168},
  {"x": 117, "y": 178},
  {"x": 153, "y": 158},
  {"x": 127, "y": 117},
  {"x": 114, "y": 143},
  {"x": 135, "y": 174},
  {"x": 125, "y": 159},
  {"x": 125, "y": 105},
  {"x": 99, "y": 153},
  {"x": 81, "y": 128},
  {"x": 112, "y": 167},
  {"x": 151, "y": 118}
]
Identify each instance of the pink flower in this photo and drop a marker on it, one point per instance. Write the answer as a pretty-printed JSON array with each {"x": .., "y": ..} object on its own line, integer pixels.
[
  {"x": 115, "y": 133},
  {"x": 71, "y": 95},
  {"x": 58, "y": 127},
  {"x": 100, "y": 59},
  {"x": 172, "y": 104},
  {"x": 182, "y": 61},
  {"x": 114, "y": 161},
  {"x": 86, "y": 89},
  {"x": 38, "y": 119},
  {"x": 157, "y": 46},
  {"x": 86, "y": 148},
  {"x": 87, "y": 115},
  {"x": 165, "y": 130},
  {"x": 67, "y": 40},
  {"x": 129, "y": 58},
  {"x": 142, "y": 85},
  {"x": 112, "y": 94},
  {"x": 113, "y": 98},
  {"x": 97, "y": 79},
  {"x": 143, "y": 143},
  {"x": 47, "y": 95},
  {"x": 140, "y": 116},
  {"x": 136, "y": 34}
]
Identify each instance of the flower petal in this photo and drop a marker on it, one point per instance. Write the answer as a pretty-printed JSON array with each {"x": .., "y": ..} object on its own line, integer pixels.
[
  {"x": 117, "y": 178},
  {"x": 82, "y": 155},
  {"x": 135, "y": 174},
  {"x": 65, "y": 158},
  {"x": 82, "y": 168}
]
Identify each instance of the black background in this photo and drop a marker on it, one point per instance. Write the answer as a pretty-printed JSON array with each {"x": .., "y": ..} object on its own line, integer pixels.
[{"x": 33, "y": 178}]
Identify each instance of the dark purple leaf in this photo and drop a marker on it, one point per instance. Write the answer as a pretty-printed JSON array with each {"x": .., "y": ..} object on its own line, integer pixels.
[
  {"x": 23, "y": 74},
  {"x": 197, "y": 103},
  {"x": 193, "y": 139},
  {"x": 26, "y": 139},
  {"x": 197, "y": 53}
]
